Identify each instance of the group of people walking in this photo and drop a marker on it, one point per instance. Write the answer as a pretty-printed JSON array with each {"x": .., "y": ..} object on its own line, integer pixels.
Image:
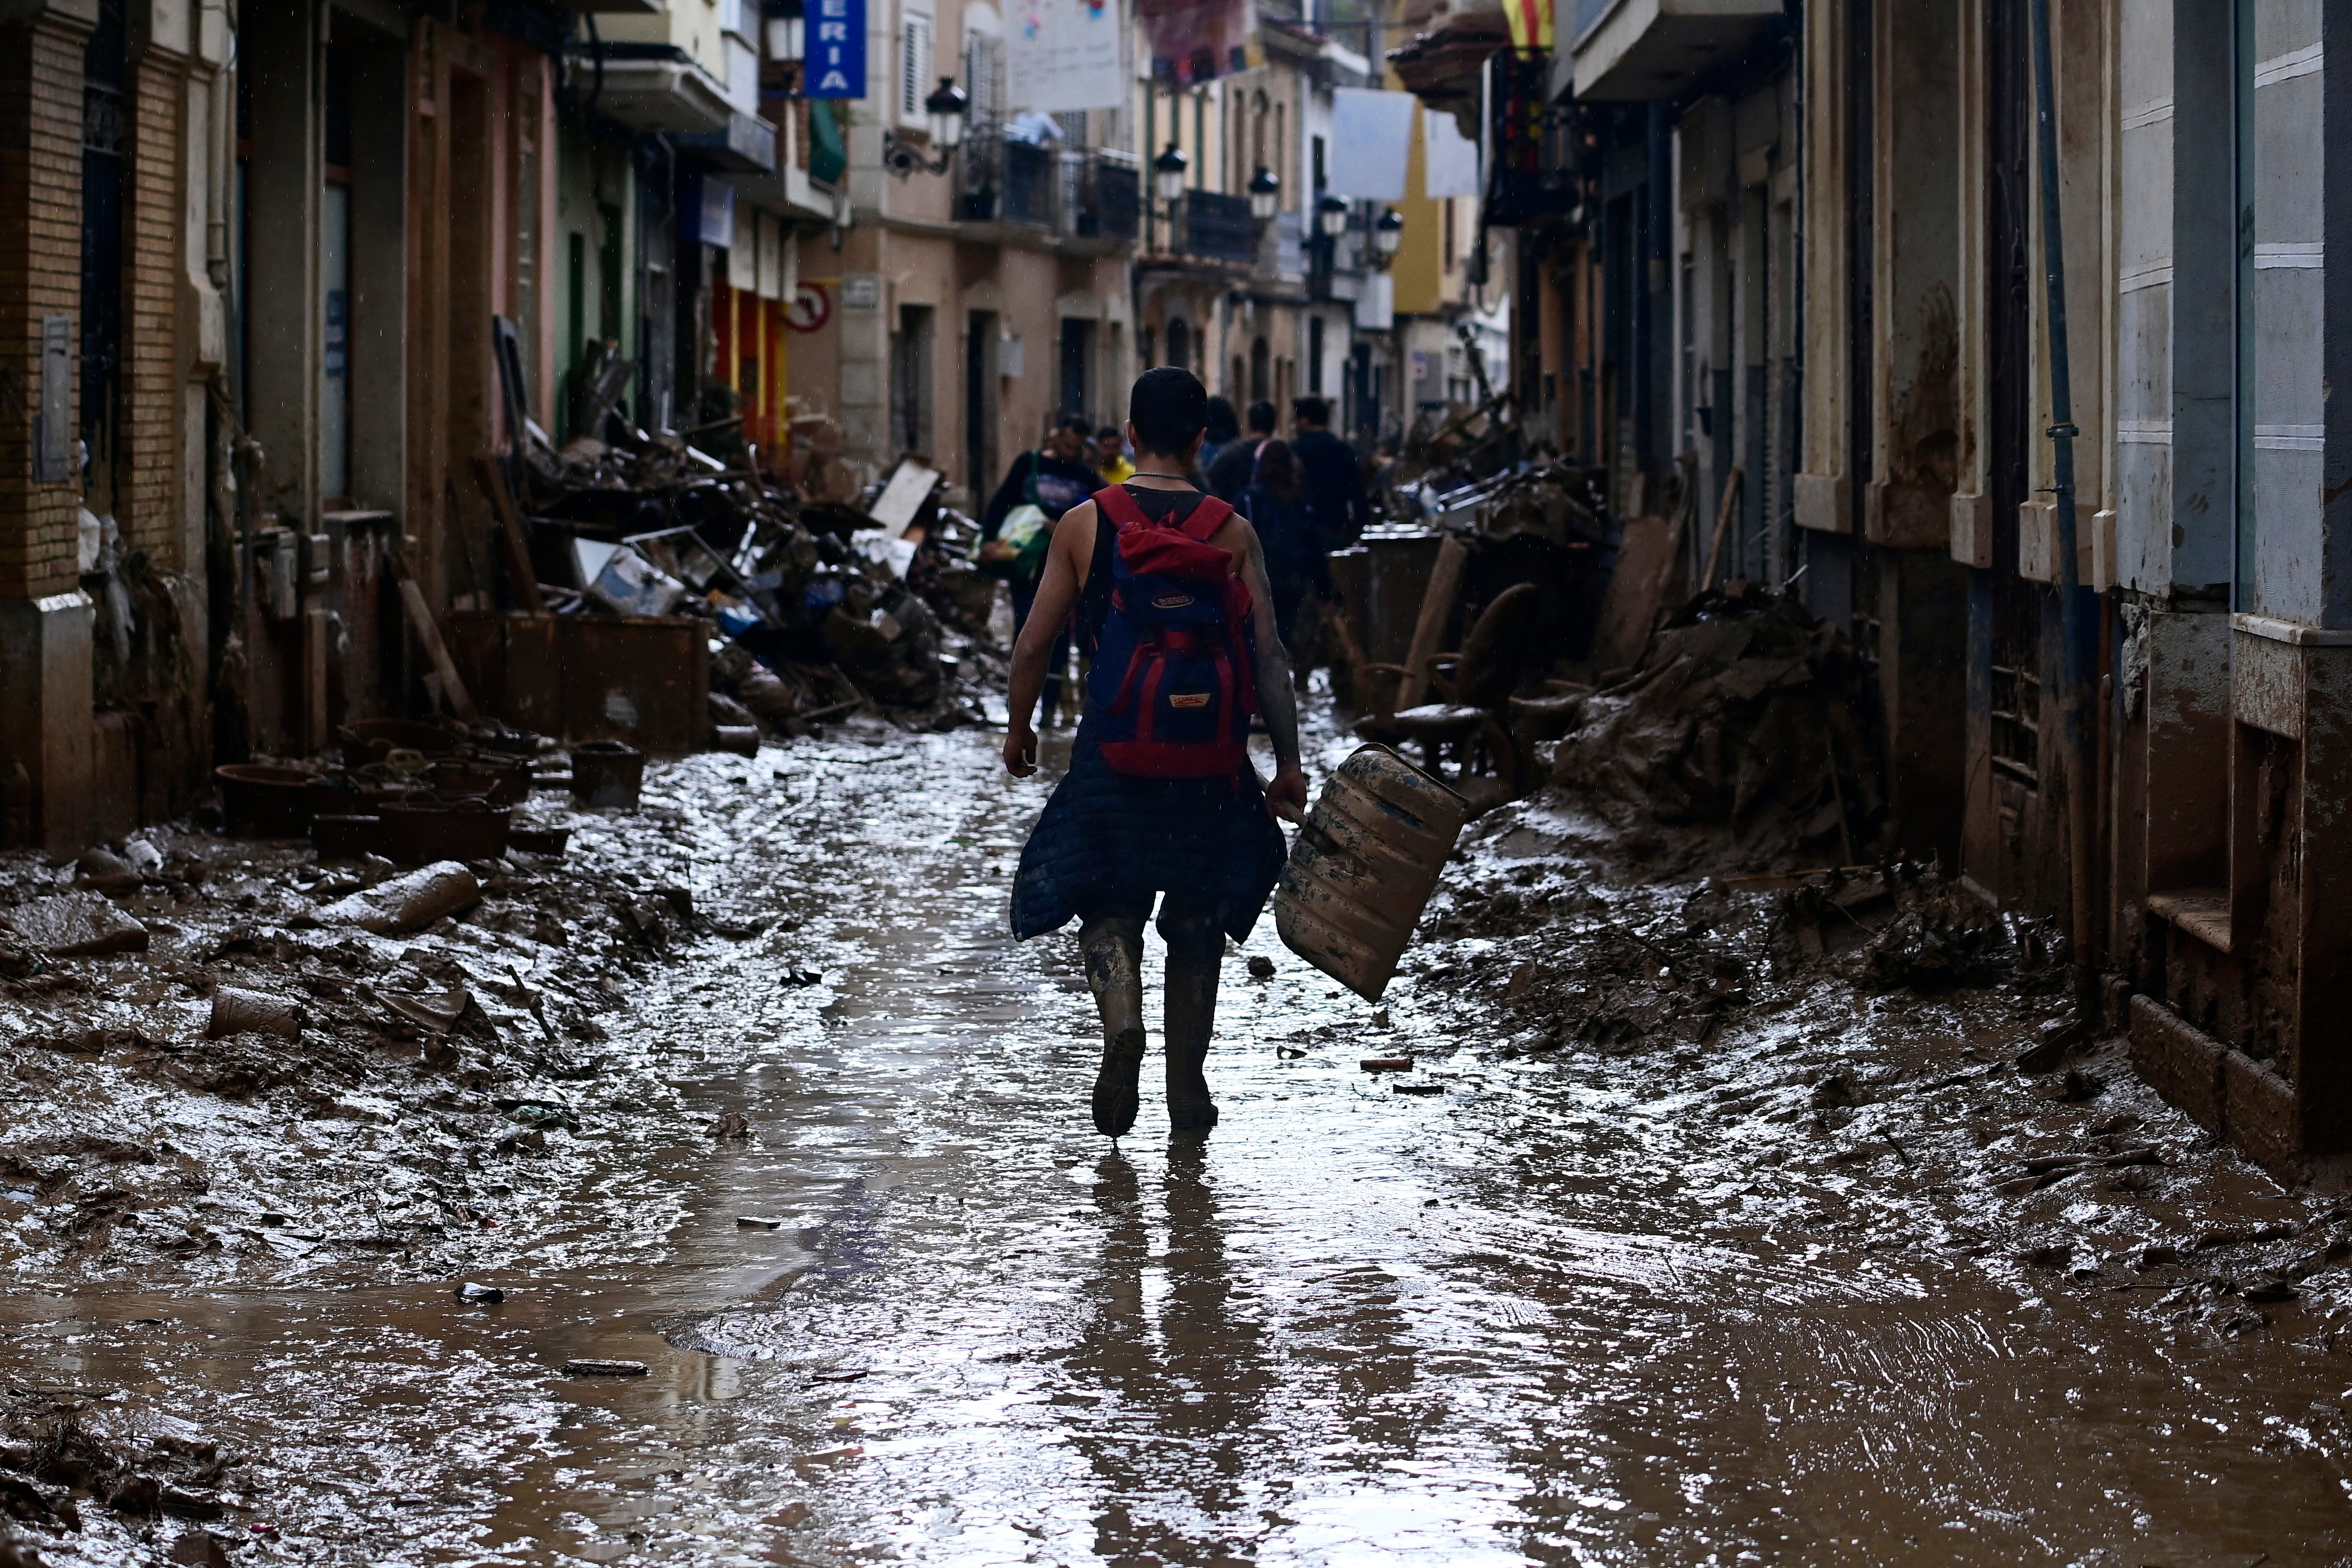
[{"x": 1304, "y": 496}]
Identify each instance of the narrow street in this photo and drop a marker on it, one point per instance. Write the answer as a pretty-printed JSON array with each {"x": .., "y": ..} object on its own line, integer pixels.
[{"x": 1654, "y": 1306}]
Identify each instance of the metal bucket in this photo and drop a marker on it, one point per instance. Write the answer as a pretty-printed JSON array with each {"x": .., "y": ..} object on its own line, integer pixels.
[{"x": 1364, "y": 866}]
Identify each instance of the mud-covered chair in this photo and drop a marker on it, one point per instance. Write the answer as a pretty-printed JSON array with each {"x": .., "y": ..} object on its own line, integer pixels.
[{"x": 1474, "y": 687}]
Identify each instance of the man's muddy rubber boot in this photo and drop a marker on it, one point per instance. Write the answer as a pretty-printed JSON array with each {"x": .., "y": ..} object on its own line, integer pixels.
[
  {"x": 1191, "y": 1019},
  {"x": 1116, "y": 1096},
  {"x": 1114, "y": 956}
]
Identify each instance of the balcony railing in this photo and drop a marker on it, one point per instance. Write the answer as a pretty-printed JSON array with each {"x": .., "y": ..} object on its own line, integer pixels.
[
  {"x": 1219, "y": 228},
  {"x": 1087, "y": 192},
  {"x": 1531, "y": 173},
  {"x": 1113, "y": 208}
]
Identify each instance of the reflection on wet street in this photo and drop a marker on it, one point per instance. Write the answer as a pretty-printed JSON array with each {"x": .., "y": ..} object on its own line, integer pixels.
[{"x": 1572, "y": 1308}]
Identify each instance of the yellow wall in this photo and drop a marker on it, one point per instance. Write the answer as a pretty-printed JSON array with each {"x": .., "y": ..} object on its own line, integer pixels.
[{"x": 1424, "y": 287}]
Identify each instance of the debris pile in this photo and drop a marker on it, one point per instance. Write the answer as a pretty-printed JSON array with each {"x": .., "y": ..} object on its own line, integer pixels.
[
  {"x": 836, "y": 603},
  {"x": 1745, "y": 716}
]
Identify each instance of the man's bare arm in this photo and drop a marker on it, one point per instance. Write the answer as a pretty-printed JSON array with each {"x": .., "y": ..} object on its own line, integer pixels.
[
  {"x": 1277, "y": 699},
  {"x": 1057, "y": 590}
]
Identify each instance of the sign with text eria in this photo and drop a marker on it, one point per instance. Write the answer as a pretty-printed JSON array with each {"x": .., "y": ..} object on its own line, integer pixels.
[{"x": 837, "y": 48}]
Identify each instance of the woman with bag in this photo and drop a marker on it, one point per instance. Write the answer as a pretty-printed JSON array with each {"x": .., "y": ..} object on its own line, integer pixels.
[{"x": 1018, "y": 527}]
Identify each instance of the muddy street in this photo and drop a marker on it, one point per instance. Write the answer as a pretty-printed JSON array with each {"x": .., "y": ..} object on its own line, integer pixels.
[{"x": 1827, "y": 1280}]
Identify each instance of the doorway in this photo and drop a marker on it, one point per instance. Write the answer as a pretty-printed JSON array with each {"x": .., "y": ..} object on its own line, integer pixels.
[{"x": 980, "y": 403}]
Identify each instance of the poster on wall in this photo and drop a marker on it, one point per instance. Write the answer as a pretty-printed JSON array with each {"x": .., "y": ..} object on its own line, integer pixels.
[
  {"x": 1064, "y": 55},
  {"x": 1195, "y": 40},
  {"x": 837, "y": 48}
]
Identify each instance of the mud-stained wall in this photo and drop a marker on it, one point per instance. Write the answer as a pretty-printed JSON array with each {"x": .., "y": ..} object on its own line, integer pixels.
[{"x": 1918, "y": 438}]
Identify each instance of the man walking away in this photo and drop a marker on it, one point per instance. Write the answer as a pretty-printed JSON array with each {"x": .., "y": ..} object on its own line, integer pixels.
[
  {"x": 1334, "y": 480},
  {"x": 1161, "y": 799},
  {"x": 1224, "y": 430},
  {"x": 1275, "y": 505},
  {"x": 1229, "y": 476},
  {"x": 1051, "y": 479}
]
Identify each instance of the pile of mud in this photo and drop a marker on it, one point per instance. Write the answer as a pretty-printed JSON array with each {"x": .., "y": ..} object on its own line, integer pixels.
[
  {"x": 60, "y": 1448},
  {"x": 1747, "y": 720}
]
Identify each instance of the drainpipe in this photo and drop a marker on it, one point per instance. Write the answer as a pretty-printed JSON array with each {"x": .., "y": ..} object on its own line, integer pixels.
[{"x": 2073, "y": 728}]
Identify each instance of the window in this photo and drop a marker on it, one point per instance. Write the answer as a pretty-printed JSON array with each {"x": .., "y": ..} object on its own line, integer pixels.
[
  {"x": 1315, "y": 341},
  {"x": 914, "y": 70},
  {"x": 1320, "y": 180},
  {"x": 1077, "y": 349},
  {"x": 1445, "y": 209},
  {"x": 910, "y": 380},
  {"x": 982, "y": 83},
  {"x": 1179, "y": 344}
]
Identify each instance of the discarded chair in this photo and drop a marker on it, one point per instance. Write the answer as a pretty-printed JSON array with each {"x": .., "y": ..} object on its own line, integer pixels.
[{"x": 1475, "y": 687}]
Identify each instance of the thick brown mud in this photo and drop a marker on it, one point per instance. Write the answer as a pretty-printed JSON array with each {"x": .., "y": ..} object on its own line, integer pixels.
[{"x": 1801, "y": 1285}]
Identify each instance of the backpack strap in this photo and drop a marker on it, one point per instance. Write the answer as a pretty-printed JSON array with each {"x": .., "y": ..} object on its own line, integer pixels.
[
  {"x": 1205, "y": 519},
  {"x": 1113, "y": 502}
]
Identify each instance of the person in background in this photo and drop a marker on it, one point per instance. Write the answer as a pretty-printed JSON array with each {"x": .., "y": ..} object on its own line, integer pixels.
[
  {"x": 1275, "y": 505},
  {"x": 1111, "y": 455},
  {"x": 1055, "y": 477},
  {"x": 1229, "y": 476},
  {"x": 1224, "y": 430},
  {"x": 1181, "y": 820},
  {"x": 1336, "y": 508}
]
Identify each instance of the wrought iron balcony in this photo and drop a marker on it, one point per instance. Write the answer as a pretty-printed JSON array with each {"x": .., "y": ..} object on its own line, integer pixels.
[
  {"x": 1218, "y": 228},
  {"x": 1531, "y": 175},
  {"x": 1081, "y": 192}
]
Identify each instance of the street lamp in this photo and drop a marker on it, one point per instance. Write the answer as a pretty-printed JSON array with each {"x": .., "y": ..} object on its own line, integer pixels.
[
  {"x": 1330, "y": 216},
  {"x": 787, "y": 39},
  {"x": 1265, "y": 194},
  {"x": 1388, "y": 232},
  {"x": 1168, "y": 175},
  {"x": 946, "y": 108}
]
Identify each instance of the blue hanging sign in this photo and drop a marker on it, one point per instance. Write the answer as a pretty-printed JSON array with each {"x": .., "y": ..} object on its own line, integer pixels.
[{"x": 837, "y": 48}]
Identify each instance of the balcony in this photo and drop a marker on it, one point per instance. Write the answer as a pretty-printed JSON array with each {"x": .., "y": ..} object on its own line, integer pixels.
[
  {"x": 1088, "y": 196},
  {"x": 1532, "y": 168},
  {"x": 658, "y": 89},
  {"x": 1110, "y": 204},
  {"x": 1219, "y": 228},
  {"x": 1642, "y": 50}
]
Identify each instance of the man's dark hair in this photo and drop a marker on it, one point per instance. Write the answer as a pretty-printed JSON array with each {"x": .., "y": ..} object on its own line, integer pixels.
[
  {"x": 1262, "y": 418},
  {"x": 1311, "y": 411},
  {"x": 1112, "y": 433},
  {"x": 1078, "y": 422},
  {"x": 1168, "y": 407},
  {"x": 1221, "y": 426}
]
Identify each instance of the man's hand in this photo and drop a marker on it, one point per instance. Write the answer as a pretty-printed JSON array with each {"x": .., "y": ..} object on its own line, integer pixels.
[
  {"x": 1289, "y": 783},
  {"x": 995, "y": 552},
  {"x": 1020, "y": 751}
]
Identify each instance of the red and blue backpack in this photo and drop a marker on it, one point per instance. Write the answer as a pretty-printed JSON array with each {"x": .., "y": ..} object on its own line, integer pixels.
[{"x": 1175, "y": 660}]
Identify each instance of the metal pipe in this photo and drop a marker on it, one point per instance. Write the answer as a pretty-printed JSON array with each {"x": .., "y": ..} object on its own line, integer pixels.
[{"x": 2080, "y": 773}]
